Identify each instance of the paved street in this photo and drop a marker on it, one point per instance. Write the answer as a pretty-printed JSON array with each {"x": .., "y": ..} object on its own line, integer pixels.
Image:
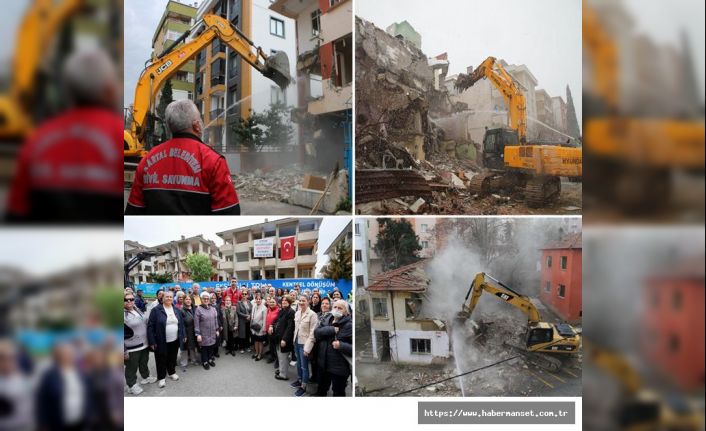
[{"x": 232, "y": 377}]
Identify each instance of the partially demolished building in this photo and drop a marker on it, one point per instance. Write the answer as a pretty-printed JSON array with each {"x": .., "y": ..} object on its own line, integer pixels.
[{"x": 401, "y": 332}]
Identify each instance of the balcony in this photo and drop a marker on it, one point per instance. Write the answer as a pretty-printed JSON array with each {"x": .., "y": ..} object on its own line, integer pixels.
[
  {"x": 218, "y": 80},
  {"x": 243, "y": 247},
  {"x": 225, "y": 266},
  {"x": 242, "y": 266},
  {"x": 291, "y": 263},
  {"x": 306, "y": 260},
  {"x": 226, "y": 248},
  {"x": 311, "y": 235}
]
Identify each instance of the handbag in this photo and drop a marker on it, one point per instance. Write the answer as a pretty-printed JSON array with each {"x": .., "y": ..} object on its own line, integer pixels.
[{"x": 255, "y": 327}]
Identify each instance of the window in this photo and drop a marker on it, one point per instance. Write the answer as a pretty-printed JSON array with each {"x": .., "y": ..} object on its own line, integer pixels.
[
  {"x": 562, "y": 291},
  {"x": 358, "y": 256},
  {"x": 420, "y": 346},
  {"x": 380, "y": 308},
  {"x": 285, "y": 231},
  {"x": 424, "y": 228},
  {"x": 276, "y": 27},
  {"x": 564, "y": 262},
  {"x": 306, "y": 251},
  {"x": 305, "y": 272},
  {"x": 277, "y": 96},
  {"x": 360, "y": 280},
  {"x": 316, "y": 22},
  {"x": 357, "y": 229},
  {"x": 413, "y": 305},
  {"x": 548, "y": 287},
  {"x": 425, "y": 245},
  {"x": 343, "y": 61},
  {"x": 307, "y": 226},
  {"x": 549, "y": 261}
]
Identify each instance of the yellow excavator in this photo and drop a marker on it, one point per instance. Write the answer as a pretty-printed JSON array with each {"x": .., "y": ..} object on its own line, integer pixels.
[
  {"x": 642, "y": 409},
  {"x": 139, "y": 135},
  {"x": 631, "y": 158},
  {"x": 543, "y": 341},
  {"x": 509, "y": 160},
  {"x": 38, "y": 28}
]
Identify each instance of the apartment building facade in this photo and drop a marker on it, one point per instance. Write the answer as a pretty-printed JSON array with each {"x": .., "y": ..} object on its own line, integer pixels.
[
  {"x": 560, "y": 279},
  {"x": 223, "y": 78},
  {"x": 177, "y": 18},
  {"x": 171, "y": 256},
  {"x": 239, "y": 246},
  {"x": 324, "y": 77}
]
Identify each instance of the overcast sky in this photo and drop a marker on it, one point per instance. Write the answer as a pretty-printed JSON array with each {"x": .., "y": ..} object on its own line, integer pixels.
[
  {"x": 545, "y": 35},
  {"x": 152, "y": 231},
  {"x": 141, "y": 19},
  {"x": 39, "y": 251}
]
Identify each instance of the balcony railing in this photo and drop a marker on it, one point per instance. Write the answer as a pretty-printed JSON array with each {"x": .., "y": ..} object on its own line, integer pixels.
[{"x": 218, "y": 80}]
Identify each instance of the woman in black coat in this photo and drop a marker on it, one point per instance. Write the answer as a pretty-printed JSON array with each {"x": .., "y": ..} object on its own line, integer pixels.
[
  {"x": 335, "y": 344},
  {"x": 189, "y": 349},
  {"x": 283, "y": 333},
  {"x": 165, "y": 319}
]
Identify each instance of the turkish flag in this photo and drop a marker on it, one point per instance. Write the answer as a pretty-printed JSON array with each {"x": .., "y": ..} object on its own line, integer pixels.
[{"x": 286, "y": 246}]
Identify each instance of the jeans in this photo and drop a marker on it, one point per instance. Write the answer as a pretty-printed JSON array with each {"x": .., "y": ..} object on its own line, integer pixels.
[
  {"x": 166, "y": 361},
  {"x": 137, "y": 360},
  {"x": 302, "y": 364}
]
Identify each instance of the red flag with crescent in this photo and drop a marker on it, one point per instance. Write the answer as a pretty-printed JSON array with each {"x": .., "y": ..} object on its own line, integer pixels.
[{"x": 286, "y": 248}]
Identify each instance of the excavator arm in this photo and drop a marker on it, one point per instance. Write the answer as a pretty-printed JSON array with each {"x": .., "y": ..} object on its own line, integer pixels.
[
  {"x": 602, "y": 51},
  {"x": 275, "y": 67},
  {"x": 483, "y": 282},
  {"x": 505, "y": 84}
]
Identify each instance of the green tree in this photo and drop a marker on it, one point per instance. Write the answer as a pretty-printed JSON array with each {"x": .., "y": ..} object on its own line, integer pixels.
[
  {"x": 397, "y": 244},
  {"x": 107, "y": 303},
  {"x": 271, "y": 127},
  {"x": 200, "y": 267},
  {"x": 167, "y": 277},
  {"x": 165, "y": 98},
  {"x": 340, "y": 266}
]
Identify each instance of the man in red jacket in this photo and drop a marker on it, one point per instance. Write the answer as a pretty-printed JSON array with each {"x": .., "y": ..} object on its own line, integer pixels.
[
  {"x": 183, "y": 176},
  {"x": 70, "y": 168}
]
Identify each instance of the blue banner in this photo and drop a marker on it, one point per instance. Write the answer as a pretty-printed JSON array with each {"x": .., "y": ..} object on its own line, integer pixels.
[{"x": 323, "y": 284}]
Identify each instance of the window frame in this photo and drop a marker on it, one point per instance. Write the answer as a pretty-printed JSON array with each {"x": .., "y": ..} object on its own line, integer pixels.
[{"x": 277, "y": 22}]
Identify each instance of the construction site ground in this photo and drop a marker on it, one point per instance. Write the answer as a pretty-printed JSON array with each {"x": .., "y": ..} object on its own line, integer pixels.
[{"x": 513, "y": 378}]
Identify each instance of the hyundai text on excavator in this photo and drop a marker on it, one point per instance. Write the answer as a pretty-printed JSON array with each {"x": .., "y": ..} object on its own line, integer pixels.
[
  {"x": 139, "y": 134},
  {"x": 543, "y": 341},
  {"x": 509, "y": 161}
]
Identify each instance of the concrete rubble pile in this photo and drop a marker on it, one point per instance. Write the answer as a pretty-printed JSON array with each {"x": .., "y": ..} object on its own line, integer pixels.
[
  {"x": 273, "y": 185},
  {"x": 410, "y": 157}
]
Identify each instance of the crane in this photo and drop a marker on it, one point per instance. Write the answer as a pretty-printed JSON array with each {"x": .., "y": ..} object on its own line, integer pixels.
[
  {"x": 509, "y": 160},
  {"x": 137, "y": 136},
  {"x": 542, "y": 339}
]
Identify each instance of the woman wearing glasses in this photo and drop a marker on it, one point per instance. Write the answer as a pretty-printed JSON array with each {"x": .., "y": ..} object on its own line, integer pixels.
[{"x": 135, "y": 346}]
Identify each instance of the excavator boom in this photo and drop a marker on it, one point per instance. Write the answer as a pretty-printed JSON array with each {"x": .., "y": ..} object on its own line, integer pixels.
[
  {"x": 483, "y": 282},
  {"x": 274, "y": 67}
]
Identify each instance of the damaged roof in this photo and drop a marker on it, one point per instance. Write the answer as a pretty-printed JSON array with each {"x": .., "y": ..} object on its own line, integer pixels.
[
  {"x": 571, "y": 241},
  {"x": 408, "y": 278}
]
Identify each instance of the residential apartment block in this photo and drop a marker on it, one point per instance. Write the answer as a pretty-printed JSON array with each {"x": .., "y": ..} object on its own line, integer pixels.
[
  {"x": 560, "y": 283},
  {"x": 238, "y": 250},
  {"x": 171, "y": 256},
  {"x": 176, "y": 20},
  {"x": 223, "y": 78}
]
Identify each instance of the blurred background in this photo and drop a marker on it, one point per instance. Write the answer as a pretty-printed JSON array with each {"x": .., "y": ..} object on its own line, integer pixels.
[
  {"x": 37, "y": 92},
  {"x": 643, "y": 212}
]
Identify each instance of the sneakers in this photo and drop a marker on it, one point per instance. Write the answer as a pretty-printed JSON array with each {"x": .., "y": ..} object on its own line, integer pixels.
[
  {"x": 292, "y": 363},
  {"x": 296, "y": 384},
  {"x": 278, "y": 377},
  {"x": 243, "y": 351},
  {"x": 174, "y": 377},
  {"x": 148, "y": 380},
  {"x": 212, "y": 362},
  {"x": 136, "y": 389},
  {"x": 206, "y": 366},
  {"x": 300, "y": 392},
  {"x": 162, "y": 383}
]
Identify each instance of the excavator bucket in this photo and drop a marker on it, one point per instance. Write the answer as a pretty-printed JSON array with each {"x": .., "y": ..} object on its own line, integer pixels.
[{"x": 277, "y": 69}]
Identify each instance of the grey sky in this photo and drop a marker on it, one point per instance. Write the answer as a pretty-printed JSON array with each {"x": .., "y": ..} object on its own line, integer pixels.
[
  {"x": 545, "y": 35},
  {"x": 664, "y": 22},
  {"x": 9, "y": 20},
  {"x": 39, "y": 251},
  {"x": 141, "y": 19},
  {"x": 153, "y": 231}
]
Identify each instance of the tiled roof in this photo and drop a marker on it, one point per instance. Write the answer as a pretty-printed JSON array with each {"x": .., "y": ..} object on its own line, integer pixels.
[
  {"x": 408, "y": 278},
  {"x": 570, "y": 241}
]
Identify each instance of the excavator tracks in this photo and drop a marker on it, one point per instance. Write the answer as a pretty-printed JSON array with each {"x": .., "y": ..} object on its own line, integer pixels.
[
  {"x": 541, "y": 191},
  {"x": 480, "y": 184}
]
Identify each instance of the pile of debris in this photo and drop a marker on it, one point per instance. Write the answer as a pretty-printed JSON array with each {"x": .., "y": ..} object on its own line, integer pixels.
[{"x": 273, "y": 185}]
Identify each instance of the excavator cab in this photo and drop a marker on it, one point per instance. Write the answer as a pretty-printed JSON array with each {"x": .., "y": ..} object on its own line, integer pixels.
[
  {"x": 537, "y": 336},
  {"x": 494, "y": 143}
]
